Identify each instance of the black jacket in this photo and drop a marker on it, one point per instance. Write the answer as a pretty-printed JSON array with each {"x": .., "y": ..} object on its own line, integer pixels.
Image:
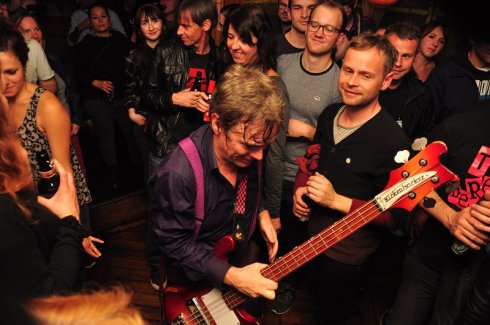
[
  {"x": 453, "y": 87},
  {"x": 418, "y": 114},
  {"x": 37, "y": 259},
  {"x": 102, "y": 58},
  {"x": 168, "y": 74}
]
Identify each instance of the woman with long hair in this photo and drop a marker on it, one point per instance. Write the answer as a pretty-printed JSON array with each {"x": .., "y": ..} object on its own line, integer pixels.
[
  {"x": 40, "y": 239},
  {"x": 431, "y": 44},
  {"x": 150, "y": 31},
  {"x": 250, "y": 41},
  {"x": 32, "y": 110}
]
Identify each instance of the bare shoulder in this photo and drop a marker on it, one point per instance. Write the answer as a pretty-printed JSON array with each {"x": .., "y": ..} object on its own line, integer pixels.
[
  {"x": 49, "y": 103},
  {"x": 50, "y": 111}
]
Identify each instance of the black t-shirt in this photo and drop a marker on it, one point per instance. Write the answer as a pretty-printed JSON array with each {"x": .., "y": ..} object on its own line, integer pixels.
[
  {"x": 467, "y": 137},
  {"x": 394, "y": 100},
  {"x": 284, "y": 47},
  {"x": 190, "y": 118}
]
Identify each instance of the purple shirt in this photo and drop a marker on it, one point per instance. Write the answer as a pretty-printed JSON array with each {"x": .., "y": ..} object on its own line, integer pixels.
[{"x": 172, "y": 190}]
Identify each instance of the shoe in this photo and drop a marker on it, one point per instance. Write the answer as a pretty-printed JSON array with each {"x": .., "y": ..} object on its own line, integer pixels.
[
  {"x": 155, "y": 285},
  {"x": 284, "y": 299},
  {"x": 114, "y": 180},
  {"x": 156, "y": 280},
  {"x": 89, "y": 261},
  {"x": 383, "y": 320}
]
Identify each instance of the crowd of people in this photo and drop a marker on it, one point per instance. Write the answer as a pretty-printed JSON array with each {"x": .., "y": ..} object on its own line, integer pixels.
[{"x": 215, "y": 130}]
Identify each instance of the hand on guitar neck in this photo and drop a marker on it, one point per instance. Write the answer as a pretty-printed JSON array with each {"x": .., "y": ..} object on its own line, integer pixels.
[{"x": 250, "y": 281}]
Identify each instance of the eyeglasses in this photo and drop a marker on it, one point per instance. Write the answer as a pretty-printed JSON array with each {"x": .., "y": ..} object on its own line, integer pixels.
[{"x": 328, "y": 30}]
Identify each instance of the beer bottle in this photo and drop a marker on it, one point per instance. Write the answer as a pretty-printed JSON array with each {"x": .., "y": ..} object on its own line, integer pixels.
[
  {"x": 197, "y": 82},
  {"x": 49, "y": 180}
]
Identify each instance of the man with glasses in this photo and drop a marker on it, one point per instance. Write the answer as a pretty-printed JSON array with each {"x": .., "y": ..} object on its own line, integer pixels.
[
  {"x": 282, "y": 21},
  {"x": 294, "y": 40},
  {"x": 311, "y": 78},
  {"x": 356, "y": 23}
]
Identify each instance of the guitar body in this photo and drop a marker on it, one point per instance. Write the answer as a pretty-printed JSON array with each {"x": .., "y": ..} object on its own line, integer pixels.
[
  {"x": 204, "y": 304},
  {"x": 193, "y": 304}
]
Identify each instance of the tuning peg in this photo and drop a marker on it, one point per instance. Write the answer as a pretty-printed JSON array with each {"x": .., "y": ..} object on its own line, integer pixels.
[
  {"x": 402, "y": 156},
  {"x": 419, "y": 144}
]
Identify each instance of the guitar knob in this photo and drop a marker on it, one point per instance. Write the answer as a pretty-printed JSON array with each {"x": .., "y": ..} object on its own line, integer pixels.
[
  {"x": 435, "y": 179},
  {"x": 411, "y": 195},
  {"x": 422, "y": 162},
  {"x": 405, "y": 174}
]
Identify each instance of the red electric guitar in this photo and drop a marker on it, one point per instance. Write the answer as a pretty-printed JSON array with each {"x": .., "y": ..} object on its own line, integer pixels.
[{"x": 406, "y": 187}]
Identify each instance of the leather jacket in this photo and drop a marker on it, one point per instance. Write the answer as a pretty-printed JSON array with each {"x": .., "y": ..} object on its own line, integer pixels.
[{"x": 168, "y": 74}]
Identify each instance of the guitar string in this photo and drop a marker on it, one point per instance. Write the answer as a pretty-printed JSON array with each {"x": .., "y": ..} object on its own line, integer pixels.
[
  {"x": 327, "y": 235},
  {"x": 235, "y": 297},
  {"x": 300, "y": 256}
]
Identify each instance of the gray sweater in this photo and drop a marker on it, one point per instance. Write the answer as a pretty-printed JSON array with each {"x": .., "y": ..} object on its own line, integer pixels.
[{"x": 309, "y": 94}]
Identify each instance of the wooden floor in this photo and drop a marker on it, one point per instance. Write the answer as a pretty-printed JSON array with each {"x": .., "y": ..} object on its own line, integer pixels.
[{"x": 121, "y": 223}]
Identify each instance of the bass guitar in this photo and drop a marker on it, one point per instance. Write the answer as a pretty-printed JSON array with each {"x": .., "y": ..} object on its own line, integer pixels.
[{"x": 407, "y": 185}]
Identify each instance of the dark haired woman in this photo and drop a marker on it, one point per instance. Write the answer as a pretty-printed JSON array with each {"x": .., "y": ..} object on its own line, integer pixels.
[
  {"x": 32, "y": 109},
  {"x": 250, "y": 42},
  {"x": 41, "y": 250},
  {"x": 100, "y": 71},
  {"x": 150, "y": 31}
]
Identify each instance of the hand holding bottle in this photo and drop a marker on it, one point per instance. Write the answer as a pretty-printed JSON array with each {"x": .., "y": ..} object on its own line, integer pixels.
[
  {"x": 64, "y": 202},
  {"x": 188, "y": 98}
]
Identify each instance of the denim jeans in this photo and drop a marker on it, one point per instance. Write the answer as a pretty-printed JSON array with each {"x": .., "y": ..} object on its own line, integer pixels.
[
  {"x": 415, "y": 297},
  {"x": 457, "y": 280},
  {"x": 338, "y": 289}
]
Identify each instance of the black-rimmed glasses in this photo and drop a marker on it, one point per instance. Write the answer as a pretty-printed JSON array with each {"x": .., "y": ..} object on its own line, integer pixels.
[{"x": 328, "y": 30}]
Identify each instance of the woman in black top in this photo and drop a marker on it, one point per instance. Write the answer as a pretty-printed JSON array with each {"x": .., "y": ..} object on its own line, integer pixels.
[
  {"x": 151, "y": 30},
  {"x": 100, "y": 70}
]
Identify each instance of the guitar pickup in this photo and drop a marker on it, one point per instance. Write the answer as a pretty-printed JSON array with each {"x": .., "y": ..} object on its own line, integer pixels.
[{"x": 198, "y": 311}]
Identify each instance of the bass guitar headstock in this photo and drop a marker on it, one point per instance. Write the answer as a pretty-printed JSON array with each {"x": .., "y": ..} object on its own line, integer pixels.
[{"x": 415, "y": 179}]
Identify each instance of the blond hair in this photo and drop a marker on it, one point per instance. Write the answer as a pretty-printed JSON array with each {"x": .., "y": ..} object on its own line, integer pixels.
[
  {"x": 247, "y": 95},
  {"x": 368, "y": 40},
  {"x": 107, "y": 307}
]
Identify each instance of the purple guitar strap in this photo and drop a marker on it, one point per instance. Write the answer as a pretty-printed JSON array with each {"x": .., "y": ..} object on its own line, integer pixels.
[{"x": 190, "y": 150}]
